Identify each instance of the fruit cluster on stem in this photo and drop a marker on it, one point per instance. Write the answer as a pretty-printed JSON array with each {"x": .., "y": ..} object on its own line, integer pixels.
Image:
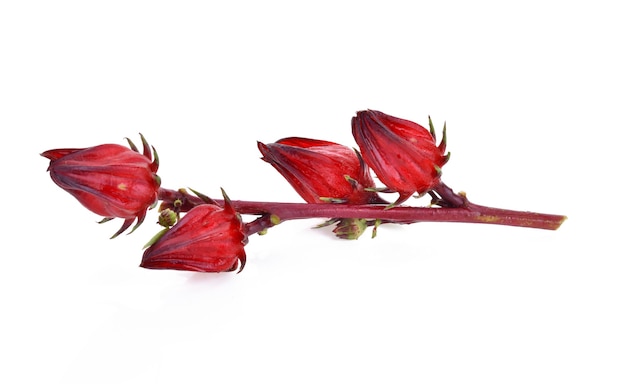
[{"x": 209, "y": 235}]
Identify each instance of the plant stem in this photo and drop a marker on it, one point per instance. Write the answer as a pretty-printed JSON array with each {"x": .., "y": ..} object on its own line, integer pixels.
[{"x": 459, "y": 213}]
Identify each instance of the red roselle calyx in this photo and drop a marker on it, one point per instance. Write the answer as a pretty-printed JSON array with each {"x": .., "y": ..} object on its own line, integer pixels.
[
  {"x": 321, "y": 171},
  {"x": 110, "y": 180},
  {"x": 325, "y": 172},
  {"x": 403, "y": 154},
  {"x": 208, "y": 238}
]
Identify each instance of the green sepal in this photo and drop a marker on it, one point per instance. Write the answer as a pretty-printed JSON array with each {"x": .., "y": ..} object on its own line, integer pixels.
[
  {"x": 444, "y": 138},
  {"x": 146, "y": 147},
  {"x": 432, "y": 128},
  {"x": 353, "y": 182},
  {"x": 375, "y": 229},
  {"x": 327, "y": 223},
  {"x": 390, "y": 206},
  {"x": 140, "y": 220},
  {"x": 421, "y": 195},
  {"x": 333, "y": 200},
  {"x": 446, "y": 158},
  {"x": 155, "y": 163},
  {"x": 132, "y": 145},
  {"x": 155, "y": 238},
  {"x": 206, "y": 198},
  {"x": 127, "y": 223},
  {"x": 227, "y": 200},
  {"x": 381, "y": 189}
]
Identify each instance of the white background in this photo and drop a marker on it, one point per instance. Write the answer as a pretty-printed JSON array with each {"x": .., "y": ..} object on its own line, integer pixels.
[{"x": 533, "y": 96}]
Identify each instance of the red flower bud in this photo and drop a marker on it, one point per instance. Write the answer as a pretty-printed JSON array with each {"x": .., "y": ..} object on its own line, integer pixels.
[
  {"x": 403, "y": 154},
  {"x": 207, "y": 239},
  {"x": 321, "y": 171},
  {"x": 110, "y": 180}
]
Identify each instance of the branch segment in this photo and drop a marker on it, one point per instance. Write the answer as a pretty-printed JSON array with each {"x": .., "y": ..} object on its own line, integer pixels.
[{"x": 468, "y": 213}]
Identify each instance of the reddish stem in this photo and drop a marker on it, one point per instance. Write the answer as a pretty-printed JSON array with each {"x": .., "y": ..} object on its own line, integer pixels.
[{"x": 466, "y": 212}]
